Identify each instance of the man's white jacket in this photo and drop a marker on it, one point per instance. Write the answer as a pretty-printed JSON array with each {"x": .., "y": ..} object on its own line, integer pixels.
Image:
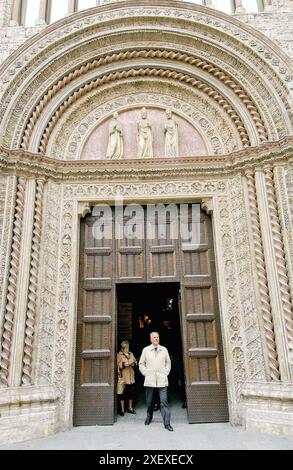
[{"x": 155, "y": 366}]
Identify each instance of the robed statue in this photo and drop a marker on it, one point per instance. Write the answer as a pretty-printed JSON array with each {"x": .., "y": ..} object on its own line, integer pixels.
[
  {"x": 115, "y": 148},
  {"x": 171, "y": 136},
  {"x": 144, "y": 137}
]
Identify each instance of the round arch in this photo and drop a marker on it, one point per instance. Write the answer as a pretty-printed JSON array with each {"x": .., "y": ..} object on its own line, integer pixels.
[{"x": 236, "y": 70}]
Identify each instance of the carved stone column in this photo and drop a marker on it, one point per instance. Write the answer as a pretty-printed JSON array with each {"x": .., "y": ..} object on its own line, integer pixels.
[
  {"x": 15, "y": 13},
  {"x": 239, "y": 8},
  {"x": 5, "y": 357},
  {"x": 262, "y": 279},
  {"x": 278, "y": 282},
  {"x": 71, "y": 7},
  {"x": 33, "y": 284},
  {"x": 17, "y": 346},
  {"x": 268, "y": 5}
]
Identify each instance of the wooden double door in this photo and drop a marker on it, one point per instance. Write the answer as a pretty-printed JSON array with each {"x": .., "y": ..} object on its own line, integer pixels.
[{"x": 156, "y": 254}]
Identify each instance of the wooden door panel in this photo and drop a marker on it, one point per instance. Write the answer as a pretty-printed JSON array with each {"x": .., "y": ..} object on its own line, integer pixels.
[
  {"x": 131, "y": 252},
  {"x": 162, "y": 250},
  {"x": 156, "y": 259},
  {"x": 204, "y": 365},
  {"x": 94, "y": 380}
]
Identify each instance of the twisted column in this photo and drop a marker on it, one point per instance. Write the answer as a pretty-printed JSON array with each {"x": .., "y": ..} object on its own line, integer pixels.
[
  {"x": 282, "y": 271},
  {"x": 33, "y": 281},
  {"x": 13, "y": 275},
  {"x": 162, "y": 73},
  {"x": 262, "y": 279}
]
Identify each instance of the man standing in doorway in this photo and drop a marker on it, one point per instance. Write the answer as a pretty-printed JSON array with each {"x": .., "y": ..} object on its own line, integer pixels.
[{"x": 155, "y": 365}]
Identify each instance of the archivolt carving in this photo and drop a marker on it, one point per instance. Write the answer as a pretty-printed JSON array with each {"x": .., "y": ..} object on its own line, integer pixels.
[
  {"x": 33, "y": 286},
  {"x": 262, "y": 279},
  {"x": 81, "y": 31},
  {"x": 280, "y": 259},
  {"x": 146, "y": 72},
  {"x": 13, "y": 276},
  {"x": 233, "y": 33},
  {"x": 71, "y": 131},
  {"x": 161, "y": 54}
]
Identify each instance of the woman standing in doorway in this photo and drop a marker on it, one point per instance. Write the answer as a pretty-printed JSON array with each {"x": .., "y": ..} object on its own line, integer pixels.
[{"x": 126, "y": 363}]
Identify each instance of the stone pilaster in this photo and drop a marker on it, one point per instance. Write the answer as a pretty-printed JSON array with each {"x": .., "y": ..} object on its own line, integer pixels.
[
  {"x": 15, "y": 372},
  {"x": 33, "y": 284},
  {"x": 276, "y": 269},
  {"x": 268, "y": 325}
]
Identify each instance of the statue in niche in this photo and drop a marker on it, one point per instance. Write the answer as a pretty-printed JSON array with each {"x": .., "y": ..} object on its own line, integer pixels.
[
  {"x": 171, "y": 136},
  {"x": 145, "y": 137},
  {"x": 115, "y": 148}
]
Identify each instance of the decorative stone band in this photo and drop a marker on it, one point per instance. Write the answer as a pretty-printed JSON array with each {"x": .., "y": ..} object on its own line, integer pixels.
[
  {"x": 162, "y": 73},
  {"x": 280, "y": 259},
  {"x": 148, "y": 54},
  {"x": 262, "y": 279},
  {"x": 33, "y": 284},
  {"x": 12, "y": 283}
]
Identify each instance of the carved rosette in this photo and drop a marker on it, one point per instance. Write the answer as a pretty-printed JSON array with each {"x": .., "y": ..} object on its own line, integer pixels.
[
  {"x": 282, "y": 269},
  {"x": 262, "y": 279},
  {"x": 12, "y": 284},
  {"x": 33, "y": 285}
]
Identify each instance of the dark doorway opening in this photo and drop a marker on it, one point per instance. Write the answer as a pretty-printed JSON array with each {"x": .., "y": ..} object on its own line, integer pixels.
[{"x": 143, "y": 308}]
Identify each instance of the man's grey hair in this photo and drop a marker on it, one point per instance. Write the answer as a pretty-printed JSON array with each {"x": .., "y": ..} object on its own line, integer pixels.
[{"x": 154, "y": 333}]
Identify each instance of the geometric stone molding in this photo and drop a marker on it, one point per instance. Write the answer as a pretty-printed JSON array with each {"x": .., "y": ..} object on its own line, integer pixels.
[
  {"x": 268, "y": 407},
  {"x": 27, "y": 424}
]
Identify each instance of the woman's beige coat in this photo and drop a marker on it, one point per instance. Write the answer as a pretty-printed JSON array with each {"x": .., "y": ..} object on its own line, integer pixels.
[
  {"x": 155, "y": 366},
  {"x": 125, "y": 364}
]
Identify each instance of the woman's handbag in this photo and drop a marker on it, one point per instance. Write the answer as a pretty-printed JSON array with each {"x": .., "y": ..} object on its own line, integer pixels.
[{"x": 120, "y": 385}]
